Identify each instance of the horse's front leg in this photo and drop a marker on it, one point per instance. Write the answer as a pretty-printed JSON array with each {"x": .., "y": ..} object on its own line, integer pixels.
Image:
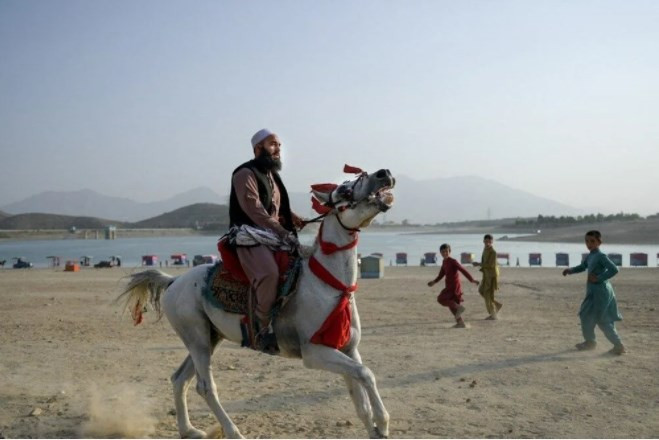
[
  {"x": 325, "y": 358},
  {"x": 359, "y": 396}
]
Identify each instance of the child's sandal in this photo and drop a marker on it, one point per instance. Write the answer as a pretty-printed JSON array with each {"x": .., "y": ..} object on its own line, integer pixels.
[{"x": 586, "y": 345}]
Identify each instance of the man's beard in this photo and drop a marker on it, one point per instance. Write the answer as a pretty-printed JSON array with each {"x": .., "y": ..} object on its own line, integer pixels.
[{"x": 266, "y": 162}]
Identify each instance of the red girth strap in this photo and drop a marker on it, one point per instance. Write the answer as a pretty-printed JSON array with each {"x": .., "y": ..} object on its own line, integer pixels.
[{"x": 329, "y": 248}]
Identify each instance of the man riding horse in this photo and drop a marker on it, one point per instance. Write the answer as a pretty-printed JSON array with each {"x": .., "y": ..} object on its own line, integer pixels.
[{"x": 259, "y": 198}]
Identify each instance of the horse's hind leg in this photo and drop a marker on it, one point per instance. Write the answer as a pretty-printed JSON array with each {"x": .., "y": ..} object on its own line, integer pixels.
[
  {"x": 181, "y": 381},
  {"x": 201, "y": 350}
]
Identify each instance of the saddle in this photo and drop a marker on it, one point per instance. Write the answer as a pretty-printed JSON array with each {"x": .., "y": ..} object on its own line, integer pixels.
[{"x": 228, "y": 288}]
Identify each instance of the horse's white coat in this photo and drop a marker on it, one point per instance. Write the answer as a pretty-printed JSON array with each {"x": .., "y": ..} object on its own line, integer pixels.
[{"x": 201, "y": 326}]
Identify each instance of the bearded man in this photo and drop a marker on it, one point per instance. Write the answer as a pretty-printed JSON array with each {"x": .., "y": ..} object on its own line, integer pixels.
[{"x": 259, "y": 198}]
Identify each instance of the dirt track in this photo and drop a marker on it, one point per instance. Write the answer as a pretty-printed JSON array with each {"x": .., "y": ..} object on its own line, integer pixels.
[{"x": 72, "y": 360}]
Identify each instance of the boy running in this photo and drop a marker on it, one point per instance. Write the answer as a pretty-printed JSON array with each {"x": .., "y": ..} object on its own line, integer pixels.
[
  {"x": 599, "y": 307},
  {"x": 451, "y": 296},
  {"x": 490, "y": 283}
]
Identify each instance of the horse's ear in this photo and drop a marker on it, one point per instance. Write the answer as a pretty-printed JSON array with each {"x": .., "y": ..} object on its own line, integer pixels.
[
  {"x": 322, "y": 191},
  {"x": 319, "y": 207},
  {"x": 321, "y": 195}
]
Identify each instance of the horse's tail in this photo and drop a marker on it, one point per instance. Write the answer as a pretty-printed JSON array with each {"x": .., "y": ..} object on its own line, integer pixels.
[{"x": 144, "y": 287}]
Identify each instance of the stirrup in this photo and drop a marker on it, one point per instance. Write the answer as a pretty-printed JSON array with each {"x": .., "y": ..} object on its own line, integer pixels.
[{"x": 266, "y": 342}]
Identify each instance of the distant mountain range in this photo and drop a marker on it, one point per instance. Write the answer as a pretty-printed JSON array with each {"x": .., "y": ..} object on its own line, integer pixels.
[
  {"x": 92, "y": 204},
  {"x": 454, "y": 199},
  {"x": 203, "y": 216},
  {"x": 417, "y": 201},
  {"x": 54, "y": 221},
  {"x": 208, "y": 216}
]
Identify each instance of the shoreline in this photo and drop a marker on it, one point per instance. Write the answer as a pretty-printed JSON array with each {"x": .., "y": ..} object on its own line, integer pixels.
[
  {"x": 633, "y": 232},
  {"x": 63, "y": 234}
]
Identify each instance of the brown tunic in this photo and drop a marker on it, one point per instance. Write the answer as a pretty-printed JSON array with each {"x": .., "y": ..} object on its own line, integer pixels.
[{"x": 258, "y": 262}]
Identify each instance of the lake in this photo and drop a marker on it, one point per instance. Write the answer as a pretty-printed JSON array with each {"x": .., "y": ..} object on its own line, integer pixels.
[{"x": 387, "y": 243}]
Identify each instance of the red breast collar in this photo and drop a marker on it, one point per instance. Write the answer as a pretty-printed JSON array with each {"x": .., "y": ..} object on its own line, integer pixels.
[
  {"x": 329, "y": 248},
  {"x": 322, "y": 273}
]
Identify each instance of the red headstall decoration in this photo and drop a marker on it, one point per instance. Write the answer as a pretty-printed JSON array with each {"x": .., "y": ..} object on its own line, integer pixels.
[
  {"x": 351, "y": 170},
  {"x": 325, "y": 188}
]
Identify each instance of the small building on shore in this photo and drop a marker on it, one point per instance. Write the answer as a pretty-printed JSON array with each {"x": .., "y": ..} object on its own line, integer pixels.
[
  {"x": 467, "y": 258},
  {"x": 503, "y": 258},
  {"x": 616, "y": 258},
  {"x": 535, "y": 259},
  {"x": 179, "y": 259},
  {"x": 429, "y": 258},
  {"x": 149, "y": 260},
  {"x": 54, "y": 260},
  {"x": 110, "y": 232},
  {"x": 638, "y": 259},
  {"x": 562, "y": 259},
  {"x": 372, "y": 267}
]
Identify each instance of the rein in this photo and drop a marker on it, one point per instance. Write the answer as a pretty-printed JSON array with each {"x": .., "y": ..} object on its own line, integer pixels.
[
  {"x": 322, "y": 216},
  {"x": 313, "y": 220}
]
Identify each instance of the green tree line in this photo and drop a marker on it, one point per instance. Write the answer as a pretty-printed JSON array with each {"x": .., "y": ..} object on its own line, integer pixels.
[{"x": 553, "y": 221}]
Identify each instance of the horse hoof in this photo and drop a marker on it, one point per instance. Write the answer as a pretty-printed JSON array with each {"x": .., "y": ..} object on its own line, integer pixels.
[
  {"x": 215, "y": 432},
  {"x": 377, "y": 433},
  {"x": 194, "y": 433}
]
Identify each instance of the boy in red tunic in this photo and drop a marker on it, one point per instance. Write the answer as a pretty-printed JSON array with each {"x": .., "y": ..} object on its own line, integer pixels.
[{"x": 451, "y": 296}]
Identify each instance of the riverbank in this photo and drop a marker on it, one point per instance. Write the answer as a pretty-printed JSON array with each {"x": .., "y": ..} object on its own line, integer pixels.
[
  {"x": 626, "y": 232},
  {"x": 623, "y": 232},
  {"x": 63, "y": 234}
]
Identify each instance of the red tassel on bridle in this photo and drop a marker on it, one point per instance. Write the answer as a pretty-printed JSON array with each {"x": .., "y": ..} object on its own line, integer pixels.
[
  {"x": 349, "y": 169},
  {"x": 324, "y": 187}
]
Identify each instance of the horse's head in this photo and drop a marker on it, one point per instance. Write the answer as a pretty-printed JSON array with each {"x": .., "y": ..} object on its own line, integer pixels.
[{"x": 356, "y": 202}]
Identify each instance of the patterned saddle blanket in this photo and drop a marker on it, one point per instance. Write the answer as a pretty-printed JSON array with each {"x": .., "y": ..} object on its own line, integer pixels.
[
  {"x": 231, "y": 294},
  {"x": 225, "y": 291}
]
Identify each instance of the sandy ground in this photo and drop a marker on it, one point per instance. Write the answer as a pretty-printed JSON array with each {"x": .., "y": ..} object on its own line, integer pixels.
[{"x": 71, "y": 365}]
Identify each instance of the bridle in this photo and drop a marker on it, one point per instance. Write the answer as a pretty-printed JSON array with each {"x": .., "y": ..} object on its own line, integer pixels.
[
  {"x": 347, "y": 193},
  {"x": 322, "y": 216}
]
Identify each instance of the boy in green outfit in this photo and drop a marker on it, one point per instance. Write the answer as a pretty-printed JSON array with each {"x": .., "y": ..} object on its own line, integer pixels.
[
  {"x": 599, "y": 307},
  {"x": 490, "y": 282}
]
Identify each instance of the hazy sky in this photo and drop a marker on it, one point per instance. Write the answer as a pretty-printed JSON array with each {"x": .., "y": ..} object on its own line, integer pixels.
[{"x": 146, "y": 99}]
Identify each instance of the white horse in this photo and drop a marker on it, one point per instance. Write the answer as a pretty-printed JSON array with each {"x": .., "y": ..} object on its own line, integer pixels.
[{"x": 201, "y": 326}]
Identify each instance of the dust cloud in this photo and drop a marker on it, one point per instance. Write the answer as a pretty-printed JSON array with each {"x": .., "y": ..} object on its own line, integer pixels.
[{"x": 117, "y": 411}]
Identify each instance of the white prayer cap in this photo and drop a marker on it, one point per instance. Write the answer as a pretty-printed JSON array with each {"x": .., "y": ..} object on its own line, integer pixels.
[{"x": 260, "y": 135}]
